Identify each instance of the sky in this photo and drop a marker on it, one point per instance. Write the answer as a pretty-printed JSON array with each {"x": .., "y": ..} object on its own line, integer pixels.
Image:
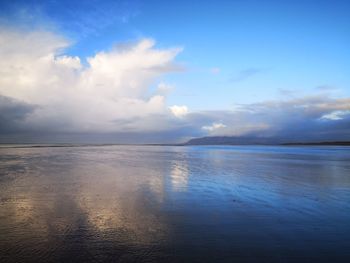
[{"x": 168, "y": 71}]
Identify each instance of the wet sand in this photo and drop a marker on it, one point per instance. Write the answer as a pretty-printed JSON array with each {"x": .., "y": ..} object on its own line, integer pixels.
[{"x": 175, "y": 204}]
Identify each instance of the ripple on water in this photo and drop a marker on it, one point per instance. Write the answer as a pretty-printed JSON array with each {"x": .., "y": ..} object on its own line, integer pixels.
[{"x": 176, "y": 204}]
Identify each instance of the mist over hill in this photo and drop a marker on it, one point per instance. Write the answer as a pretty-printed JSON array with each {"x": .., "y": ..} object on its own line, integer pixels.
[{"x": 251, "y": 140}]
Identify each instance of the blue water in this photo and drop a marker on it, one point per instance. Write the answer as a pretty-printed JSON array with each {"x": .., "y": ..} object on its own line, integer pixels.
[{"x": 174, "y": 204}]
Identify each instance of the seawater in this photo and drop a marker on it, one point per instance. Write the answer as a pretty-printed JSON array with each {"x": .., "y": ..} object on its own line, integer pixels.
[{"x": 174, "y": 204}]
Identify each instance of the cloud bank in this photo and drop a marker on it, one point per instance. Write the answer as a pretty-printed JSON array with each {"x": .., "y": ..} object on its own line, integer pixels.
[
  {"x": 111, "y": 93},
  {"x": 313, "y": 118},
  {"x": 119, "y": 96}
]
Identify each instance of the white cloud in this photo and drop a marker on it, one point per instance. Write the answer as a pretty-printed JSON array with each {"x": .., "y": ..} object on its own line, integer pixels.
[
  {"x": 335, "y": 115},
  {"x": 164, "y": 88},
  {"x": 42, "y": 89},
  {"x": 112, "y": 88},
  {"x": 179, "y": 111},
  {"x": 214, "y": 126},
  {"x": 70, "y": 62}
]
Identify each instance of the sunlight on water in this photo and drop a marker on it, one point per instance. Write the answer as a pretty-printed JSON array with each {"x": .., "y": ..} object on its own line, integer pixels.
[
  {"x": 179, "y": 176},
  {"x": 143, "y": 203}
]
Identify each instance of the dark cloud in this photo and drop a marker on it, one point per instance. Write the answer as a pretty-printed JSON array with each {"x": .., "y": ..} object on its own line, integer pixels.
[
  {"x": 307, "y": 119},
  {"x": 172, "y": 136},
  {"x": 304, "y": 119},
  {"x": 13, "y": 113}
]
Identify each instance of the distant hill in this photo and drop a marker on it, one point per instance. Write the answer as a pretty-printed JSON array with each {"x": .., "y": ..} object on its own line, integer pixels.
[
  {"x": 234, "y": 140},
  {"x": 319, "y": 143},
  {"x": 230, "y": 140}
]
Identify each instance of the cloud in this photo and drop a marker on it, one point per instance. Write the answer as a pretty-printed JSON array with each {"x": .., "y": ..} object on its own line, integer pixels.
[
  {"x": 214, "y": 126},
  {"x": 288, "y": 92},
  {"x": 13, "y": 113},
  {"x": 118, "y": 96},
  {"x": 306, "y": 118},
  {"x": 246, "y": 73},
  {"x": 326, "y": 88},
  {"x": 99, "y": 97},
  {"x": 336, "y": 115},
  {"x": 179, "y": 111},
  {"x": 164, "y": 88}
]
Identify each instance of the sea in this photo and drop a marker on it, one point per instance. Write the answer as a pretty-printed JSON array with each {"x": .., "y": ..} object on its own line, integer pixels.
[{"x": 129, "y": 203}]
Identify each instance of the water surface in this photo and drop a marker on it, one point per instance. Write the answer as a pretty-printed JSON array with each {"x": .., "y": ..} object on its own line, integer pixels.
[{"x": 174, "y": 204}]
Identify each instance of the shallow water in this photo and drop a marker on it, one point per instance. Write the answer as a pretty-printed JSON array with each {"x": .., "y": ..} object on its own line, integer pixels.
[{"x": 175, "y": 204}]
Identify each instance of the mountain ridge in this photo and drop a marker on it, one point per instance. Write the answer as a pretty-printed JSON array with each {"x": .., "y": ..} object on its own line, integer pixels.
[{"x": 235, "y": 140}]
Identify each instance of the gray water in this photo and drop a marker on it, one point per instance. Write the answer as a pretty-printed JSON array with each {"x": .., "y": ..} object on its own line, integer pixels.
[{"x": 174, "y": 204}]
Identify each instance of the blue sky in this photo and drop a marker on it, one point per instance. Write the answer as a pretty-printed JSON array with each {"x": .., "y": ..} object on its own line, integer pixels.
[
  {"x": 294, "y": 45},
  {"x": 234, "y": 52}
]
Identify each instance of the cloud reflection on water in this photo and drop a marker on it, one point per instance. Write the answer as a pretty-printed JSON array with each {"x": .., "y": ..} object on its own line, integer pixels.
[
  {"x": 132, "y": 202},
  {"x": 179, "y": 175}
]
